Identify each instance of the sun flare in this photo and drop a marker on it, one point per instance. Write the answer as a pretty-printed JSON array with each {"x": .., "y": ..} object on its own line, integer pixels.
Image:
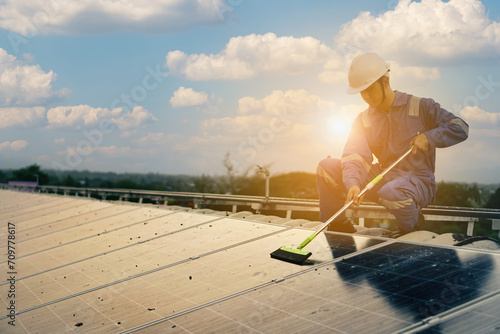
[{"x": 338, "y": 126}]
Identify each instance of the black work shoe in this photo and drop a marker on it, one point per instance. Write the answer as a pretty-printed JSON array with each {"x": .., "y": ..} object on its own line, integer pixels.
[
  {"x": 397, "y": 234},
  {"x": 342, "y": 226},
  {"x": 418, "y": 227}
]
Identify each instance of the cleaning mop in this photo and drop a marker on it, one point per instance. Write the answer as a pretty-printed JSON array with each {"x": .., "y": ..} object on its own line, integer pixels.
[{"x": 298, "y": 255}]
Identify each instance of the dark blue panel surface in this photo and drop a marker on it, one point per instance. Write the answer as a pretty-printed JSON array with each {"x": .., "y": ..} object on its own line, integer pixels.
[
  {"x": 423, "y": 281},
  {"x": 342, "y": 245},
  {"x": 390, "y": 287}
]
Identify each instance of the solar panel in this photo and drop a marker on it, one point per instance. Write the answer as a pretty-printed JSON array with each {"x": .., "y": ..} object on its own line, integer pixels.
[
  {"x": 384, "y": 290},
  {"x": 145, "y": 269},
  {"x": 483, "y": 317}
]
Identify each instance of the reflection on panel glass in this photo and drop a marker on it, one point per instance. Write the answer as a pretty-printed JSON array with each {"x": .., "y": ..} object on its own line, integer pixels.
[
  {"x": 342, "y": 245},
  {"x": 421, "y": 281},
  {"x": 387, "y": 289}
]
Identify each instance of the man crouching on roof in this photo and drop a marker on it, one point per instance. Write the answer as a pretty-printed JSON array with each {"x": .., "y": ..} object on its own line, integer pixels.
[{"x": 393, "y": 122}]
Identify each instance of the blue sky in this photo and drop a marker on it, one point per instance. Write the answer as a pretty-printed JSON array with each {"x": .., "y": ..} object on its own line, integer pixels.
[{"x": 171, "y": 86}]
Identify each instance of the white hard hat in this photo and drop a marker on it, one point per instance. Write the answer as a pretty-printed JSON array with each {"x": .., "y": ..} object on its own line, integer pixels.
[{"x": 366, "y": 69}]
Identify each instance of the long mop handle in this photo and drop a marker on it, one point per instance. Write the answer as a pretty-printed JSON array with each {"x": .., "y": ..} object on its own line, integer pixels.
[{"x": 348, "y": 204}]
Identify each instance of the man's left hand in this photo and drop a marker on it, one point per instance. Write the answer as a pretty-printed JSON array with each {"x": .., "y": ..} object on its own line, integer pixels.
[{"x": 420, "y": 142}]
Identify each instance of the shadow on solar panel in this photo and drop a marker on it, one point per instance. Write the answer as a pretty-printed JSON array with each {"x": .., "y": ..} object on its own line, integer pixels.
[{"x": 417, "y": 282}]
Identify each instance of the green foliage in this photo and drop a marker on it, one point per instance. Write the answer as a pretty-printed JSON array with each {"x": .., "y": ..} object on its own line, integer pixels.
[
  {"x": 127, "y": 184},
  {"x": 3, "y": 177},
  {"x": 254, "y": 185},
  {"x": 289, "y": 185},
  {"x": 103, "y": 183},
  {"x": 494, "y": 200},
  {"x": 231, "y": 180},
  {"x": 457, "y": 194},
  {"x": 294, "y": 185},
  {"x": 30, "y": 173},
  {"x": 69, "y": 181},
  {"x": 208, "y": 184},
  {"x": 150, "y": 181}
]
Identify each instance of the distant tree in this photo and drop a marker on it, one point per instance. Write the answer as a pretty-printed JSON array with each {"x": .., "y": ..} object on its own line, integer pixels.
[
  {"x": 494, "y": 201},
  {"x": 234, "y": 180},
  {"x": 30, "y": 173},
  {"x": 179, "y": 183},
  {"x": 457, "y": 194},
  {"x": 86, "y": 182},
  {"x": 100, "y": 183},
  {"x": 230, "y": 181},
  {"x": 126, "y": 184},
  {"x": 69, "y": 181},
  {"x": 3, "y": 177},
  {"x": 254, "y": 185},
  {"x": 290, "y": 185},
  {"x": 294, "y": 185},
  {"x": 207, "y": 184}
]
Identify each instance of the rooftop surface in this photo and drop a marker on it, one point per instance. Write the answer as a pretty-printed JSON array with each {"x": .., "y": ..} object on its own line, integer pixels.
[{"x": 78, "y": 265}]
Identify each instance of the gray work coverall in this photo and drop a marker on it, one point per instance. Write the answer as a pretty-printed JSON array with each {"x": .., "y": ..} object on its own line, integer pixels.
[{"x": 411, "y": 185}]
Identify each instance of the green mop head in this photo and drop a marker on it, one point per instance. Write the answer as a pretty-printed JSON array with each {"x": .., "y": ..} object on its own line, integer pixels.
[{"x": 289, "y": 254}]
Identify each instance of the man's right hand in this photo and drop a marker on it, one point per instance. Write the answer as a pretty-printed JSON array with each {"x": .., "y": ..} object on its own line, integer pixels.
[
  {"x": 352, "y": 194},
  {"x": 420, "y": 143}
]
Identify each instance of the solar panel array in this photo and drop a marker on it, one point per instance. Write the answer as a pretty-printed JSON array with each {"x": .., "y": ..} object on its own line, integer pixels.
[{"x": 82, "y": 265}]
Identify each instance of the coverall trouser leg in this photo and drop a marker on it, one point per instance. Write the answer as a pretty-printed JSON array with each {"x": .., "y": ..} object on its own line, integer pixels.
[{"x": 399, "y": 195}]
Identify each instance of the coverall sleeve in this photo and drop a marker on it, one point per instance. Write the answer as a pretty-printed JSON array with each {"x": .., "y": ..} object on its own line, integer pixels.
[
  {"x": 444, "y": 129},
  {"x": 357, "y": 156}
]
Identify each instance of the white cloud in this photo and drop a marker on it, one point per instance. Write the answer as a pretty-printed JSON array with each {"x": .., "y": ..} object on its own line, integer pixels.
[
  {"x": 114, "y": 151},
  {"x": 415, "y": 72},
  {"x": 247, "y": 56},
  {"x": 79, "y": 115},
  {"x": 134, "y": 119},
  {"x": 479, "y": 117},
  {"x": 282, "y": 103},
  {"x": 25, "y": 85},
  {"x": 272, "y": 128},
  {"x": 84, "y": 115},
  {"x": 17, "y": 145},
  {"x": 291, "y": 129},
  {"x": 21, "y": 117},
  {"x": 157, "y": 142},
  {"x": 260, "y": 55},
  {"x": 430, "y": 29},
  {"x": 152, "y": 138},
  {"x": 106, "y": 151},
  {"x": 333, "y": 76},
  {"x": 276, "y": 112},
  {"x": 188, "y": 97},
  {"x": 31, "y": 17}
]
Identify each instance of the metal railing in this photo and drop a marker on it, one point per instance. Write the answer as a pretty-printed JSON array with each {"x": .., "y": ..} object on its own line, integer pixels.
[{"x": 258, "y": 204}]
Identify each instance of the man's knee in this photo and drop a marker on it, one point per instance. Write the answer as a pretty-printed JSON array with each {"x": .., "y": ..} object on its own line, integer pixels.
[
  {"x": 329, "y": 172},
  {"x": 398, "y": 189},
  {"x": 404, "y": 207},
  {"x": 329, "y": 166}
]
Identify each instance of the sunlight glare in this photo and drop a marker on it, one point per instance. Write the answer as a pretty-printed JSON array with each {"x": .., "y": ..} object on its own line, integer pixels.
[{"x": 338, "y": 126}]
